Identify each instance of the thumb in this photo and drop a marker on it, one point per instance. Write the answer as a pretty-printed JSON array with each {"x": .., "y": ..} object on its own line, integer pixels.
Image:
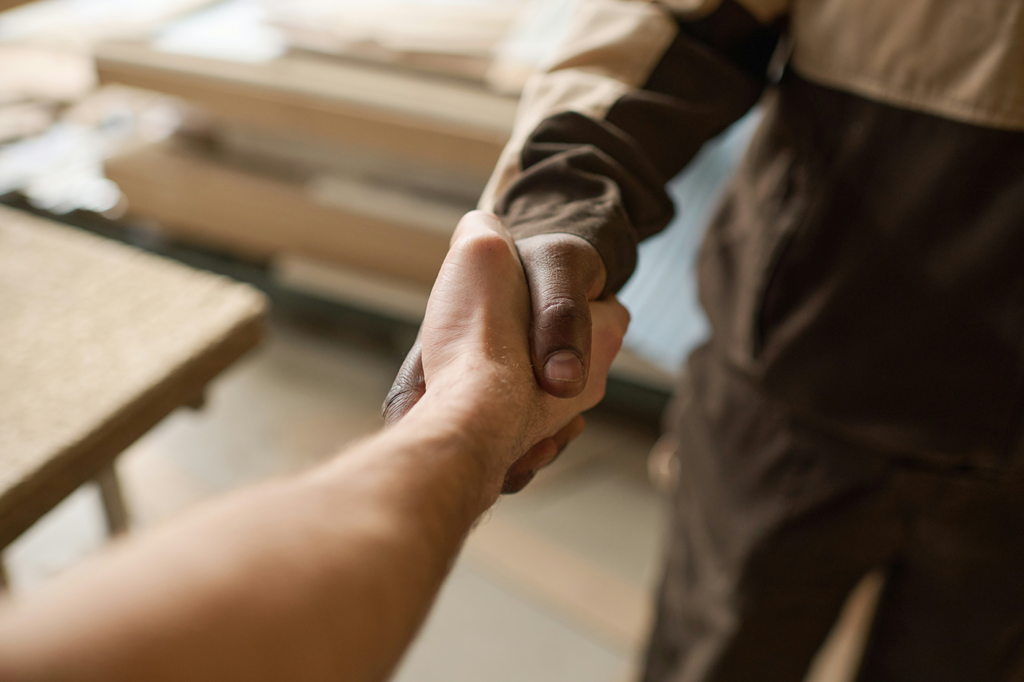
[{"x": 564, "y": 273}]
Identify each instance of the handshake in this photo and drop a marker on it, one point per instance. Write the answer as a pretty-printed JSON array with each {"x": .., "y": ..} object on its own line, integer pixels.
[
  {"x": 512, "y": 380},
  {"x": 328, "y": 574}
]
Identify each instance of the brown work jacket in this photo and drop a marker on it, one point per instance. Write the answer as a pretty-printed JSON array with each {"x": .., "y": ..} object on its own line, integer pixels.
[{"x": 866, "y": 268}]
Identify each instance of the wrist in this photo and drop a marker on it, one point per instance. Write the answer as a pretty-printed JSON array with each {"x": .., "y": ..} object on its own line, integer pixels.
[
  {"x": 424, "y": 468},
  {"x": 454, "y": 428}
]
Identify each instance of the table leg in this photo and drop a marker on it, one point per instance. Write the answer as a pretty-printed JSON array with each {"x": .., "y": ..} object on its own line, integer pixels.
[
  {"x": 113, "y": 501},
  {"x": 197, "y": 403}
]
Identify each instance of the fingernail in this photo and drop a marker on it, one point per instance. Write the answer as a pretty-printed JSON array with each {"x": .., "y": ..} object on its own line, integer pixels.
[{"x": 563, "y": 366}]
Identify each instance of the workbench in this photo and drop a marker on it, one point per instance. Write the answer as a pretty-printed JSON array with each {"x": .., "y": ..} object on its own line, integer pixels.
[{"x": 99, "y": 341}]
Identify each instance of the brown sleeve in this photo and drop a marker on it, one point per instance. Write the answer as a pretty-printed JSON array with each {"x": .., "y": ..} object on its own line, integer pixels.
[{"x": 635, "y": 95}]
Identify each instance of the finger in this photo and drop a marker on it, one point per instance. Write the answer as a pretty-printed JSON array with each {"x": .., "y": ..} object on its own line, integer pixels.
[
  {"x": 568, "y": 434},
  {"x": 409, "y": 385},
  {"x": 536, "y": 459},
  {"x": 519, "y": 474},
  {"x": 563, "y": 272},
  {"x": 611, "y": 321},
  {"x": 618, "y": 315},
  {"x": 541, "y": 455}
]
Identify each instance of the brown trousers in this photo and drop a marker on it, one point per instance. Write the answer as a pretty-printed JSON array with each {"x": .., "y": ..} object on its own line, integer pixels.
[
  {"x": 859, "y": 405},
  {"x": 774, "y": 524}
]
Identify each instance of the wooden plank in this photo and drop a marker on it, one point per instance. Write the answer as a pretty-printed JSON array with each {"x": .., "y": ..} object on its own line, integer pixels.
[
  {"x": 455, "y": 125},
  {"x": 275, "y": 150},
  {"x": 193, "y": 196},
  {"x": 354, "y": 288}
]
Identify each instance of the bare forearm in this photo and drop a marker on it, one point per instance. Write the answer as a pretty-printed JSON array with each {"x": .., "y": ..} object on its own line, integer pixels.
[
  {"x": 324, "y": 576},
  {"x": 327, "y": 576}
]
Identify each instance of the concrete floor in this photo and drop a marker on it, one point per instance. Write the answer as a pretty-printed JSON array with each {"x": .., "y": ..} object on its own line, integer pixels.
[{"x": 553, "y": 585}]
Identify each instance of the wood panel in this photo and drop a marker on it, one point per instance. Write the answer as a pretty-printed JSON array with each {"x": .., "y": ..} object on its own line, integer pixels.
[
  {"x": 441, "y": 122},
  {"x": 195, "y": 196}
]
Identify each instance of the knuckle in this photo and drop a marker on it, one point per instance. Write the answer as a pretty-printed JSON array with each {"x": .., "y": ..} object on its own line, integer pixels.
[
  {"x": 477, "y": 214},
  {"x": 578, "y": 254},
  {"x": 483, "y": 246},
  {"x": 557, "y": 313}
]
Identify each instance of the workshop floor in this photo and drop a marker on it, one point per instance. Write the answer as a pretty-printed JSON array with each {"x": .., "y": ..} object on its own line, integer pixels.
[{"x": 553, "y": 585}]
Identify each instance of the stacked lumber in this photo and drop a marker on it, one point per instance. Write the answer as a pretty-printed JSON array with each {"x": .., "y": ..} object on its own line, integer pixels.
[
  {"x": 457, "y": 38},
  {"x": 344, "y": 163},
  {"x": 213, "y": 200},
  {"x": 444, "y": 124}
]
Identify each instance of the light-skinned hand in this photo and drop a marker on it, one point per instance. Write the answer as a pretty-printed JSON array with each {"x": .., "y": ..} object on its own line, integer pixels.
[{"x": 476, "y": 354}]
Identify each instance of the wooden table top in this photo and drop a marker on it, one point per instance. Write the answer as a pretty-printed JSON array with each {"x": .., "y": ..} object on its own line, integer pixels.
[{"x": 98, "y": 342}]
